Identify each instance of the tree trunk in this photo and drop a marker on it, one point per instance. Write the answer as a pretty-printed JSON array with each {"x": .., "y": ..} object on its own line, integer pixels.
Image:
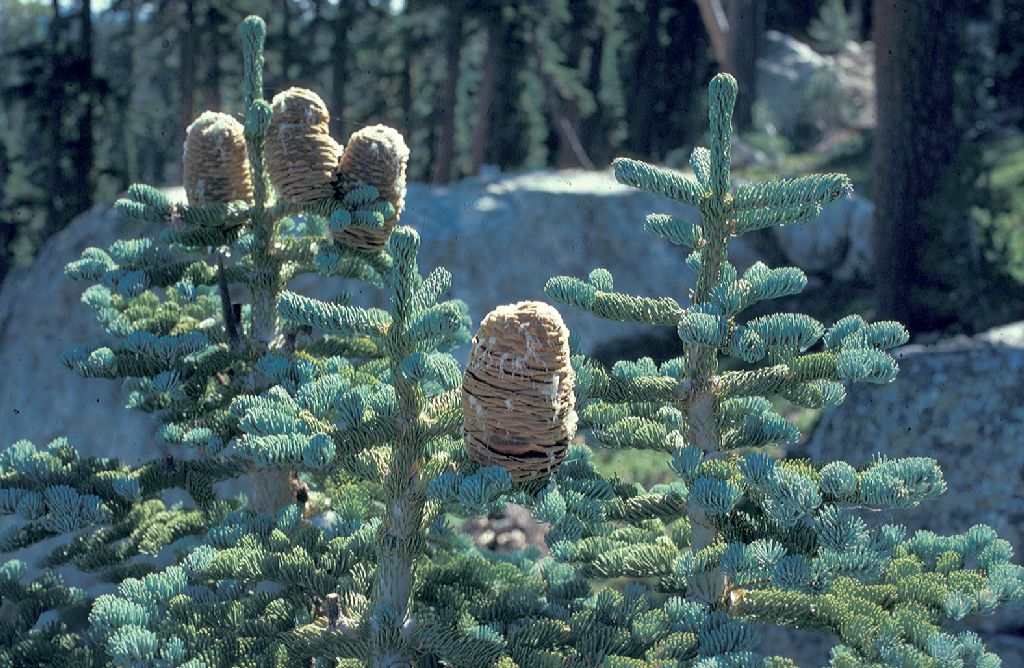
[
  {"x": 641, "y": 96},
  {"x": 339, "y": 65},
  {"x": 186, "y": 75},
  {"x": 7, "y": 226},
  {"x": 444, "y": 153},
  {"x": 746, "y": 26},
  {"x": 594, "y": 128},
  {"x": 916, "y": 49},
  {"x": 285, "y": 45},
  {"x": 717, "y": 26},
  {"x": 84, "y": 154},
  {"x": 308, "y": 66},
  {"x": 130, "y": 157},
  {"x": 568, "y": 154},
  {"x": 53, "y": 140},
  {"x": 483, "y": 109},
  {"x": 214, "y": 22}
]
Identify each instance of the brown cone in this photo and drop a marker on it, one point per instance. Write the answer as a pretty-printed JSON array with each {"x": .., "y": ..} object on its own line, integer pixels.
[
  {"x": 302, "y": 159},
  {"x": 517, "y": 391},
  {"x": 377, "y": 156},
  {"x": 216, "y": 166}
]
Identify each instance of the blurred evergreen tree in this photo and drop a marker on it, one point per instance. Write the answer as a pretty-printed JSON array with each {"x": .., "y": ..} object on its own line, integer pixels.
[
  {"x": 833, "y": 26},
  {"x": 665, "y": 66},
  {"x": 50, "y": 91},
  {"x": 515, "y": 83},
  {"x": 1009, "y": 81}
]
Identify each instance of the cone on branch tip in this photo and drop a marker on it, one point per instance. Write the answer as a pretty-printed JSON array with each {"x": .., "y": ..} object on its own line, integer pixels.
[
  {"x": 377, "y": 156},
  {"x": 517, "y": 391},
  {"x": 302, "y": 158},
  {"x": 215, "y": 163}
]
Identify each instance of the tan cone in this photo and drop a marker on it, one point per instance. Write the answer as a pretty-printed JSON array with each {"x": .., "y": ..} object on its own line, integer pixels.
[
  {"x": 302, "y": 158},
  {"x": 215, "y": 161},
  {"x": 377, "y": 156},
  {"x": 517, "y": 391}
]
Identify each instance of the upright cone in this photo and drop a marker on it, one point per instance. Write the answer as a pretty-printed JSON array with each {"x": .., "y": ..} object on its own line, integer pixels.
[
  {"x": 517, "y": 391},
  {"x": 377, "y": 156},
  {"x": 302, "y": 158},
  {"x": 215, "y": 161}
]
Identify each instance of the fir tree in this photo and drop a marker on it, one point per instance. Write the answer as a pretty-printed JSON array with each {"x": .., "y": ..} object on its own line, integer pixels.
[{"x": 362, "y": 437}]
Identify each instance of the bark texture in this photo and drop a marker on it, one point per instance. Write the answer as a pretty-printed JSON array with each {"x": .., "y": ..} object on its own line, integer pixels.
[{"x": 916, "y": 46}]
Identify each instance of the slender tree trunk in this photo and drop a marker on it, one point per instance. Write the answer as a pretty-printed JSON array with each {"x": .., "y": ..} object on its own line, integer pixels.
[
  {"x": 444, "y": 152},
  {"x": 405, "y": 84},
  {"x": 308, "y": 67},
  {"x": 339, "y": 64},
  {"x": 214, "y": 23},
  {"x": 285, "y": 45},
  {"x": 84, "y": 183},
  {"x": 717, "y": 26},
  {"x": 7, "y": 227},
  {"x": 916, "y": 49},
  {"x": 641, "y": 97},
  {"x": 130, "y": 158},
  {"x": 186, "y": 75},
  {"x": 54, "y": 140},
  {"x": 486, "y": 98},
  {"x": 746, "y": 26},
  {"x": 593, "y": 129},
  {"x": 567, "y": 155}
]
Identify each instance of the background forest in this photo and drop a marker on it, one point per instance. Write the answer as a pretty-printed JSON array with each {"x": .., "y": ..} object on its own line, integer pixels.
[{"x": 96, "y": 95}]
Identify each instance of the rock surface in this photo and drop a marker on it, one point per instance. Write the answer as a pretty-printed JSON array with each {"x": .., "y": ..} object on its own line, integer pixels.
[
  {"x": 837, "y": 244},
  {"x": 958, "y": 401},
  {"x": 512, "y": 529},
  {"x": 801, "y": 87}
]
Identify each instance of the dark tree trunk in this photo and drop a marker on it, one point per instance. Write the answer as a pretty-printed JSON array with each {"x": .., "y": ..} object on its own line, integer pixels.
[
  {"x": 286, "y": 45},
  {"x": 7, "y": 226},
  {"x": 483, "y": 109},
  {"x": 339, "y": 65},
  {"x": 83, "y": 180},
  {"x": 916, "y": 49},
  {"x": 186, "y": 75},
  {"x": 746, "y": 26},
  {"x": 214, "y": 25},
  {"x": 405, "y": 94},
  {"x": 444, "y": 152},
  {"x": 505, "y": 145},
  {"x": 594, "y": 128},
  {"x": 568, "y": 154},
  {"x": 641, "y": 97},
  {"x": 309, "y": 67},
  {"x": 54, "y": 143},
  {"x": 129, "y": 159}
]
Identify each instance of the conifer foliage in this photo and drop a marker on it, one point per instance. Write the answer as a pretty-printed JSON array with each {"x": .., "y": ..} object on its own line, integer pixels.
[{"x": 348, "y": 424}]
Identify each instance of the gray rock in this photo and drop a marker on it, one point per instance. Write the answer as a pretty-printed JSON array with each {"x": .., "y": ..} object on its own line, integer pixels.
[
  {"x": 800, "y": 86},
  {"x": 838, "y": 243},
  {"x": 959, "y": 402},
  {"x": 41, "y": 316}
]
